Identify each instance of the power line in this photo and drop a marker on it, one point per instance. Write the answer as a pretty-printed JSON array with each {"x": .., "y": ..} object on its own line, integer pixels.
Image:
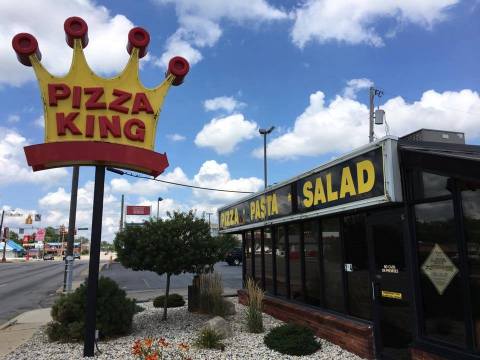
[{"x": 121, "y": 172}]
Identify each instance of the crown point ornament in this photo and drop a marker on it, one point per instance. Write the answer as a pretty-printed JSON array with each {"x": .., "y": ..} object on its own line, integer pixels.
[
  {"x": 179, "y": 67},
  {"x": 26, "y": 45},
  {"x": 76, "y": 28},
  {"x": 138, "y": 38}
]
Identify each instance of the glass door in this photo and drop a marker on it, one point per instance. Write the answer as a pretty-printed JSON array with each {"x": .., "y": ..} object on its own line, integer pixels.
[{"x": 390, "y": 286}]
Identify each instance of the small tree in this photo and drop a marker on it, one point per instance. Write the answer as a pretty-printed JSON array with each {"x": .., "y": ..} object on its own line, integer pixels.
[{"x": 181, "y": 243}]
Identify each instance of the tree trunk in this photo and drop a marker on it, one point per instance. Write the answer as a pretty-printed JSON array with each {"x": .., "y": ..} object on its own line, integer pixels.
[{"x": 167, "y": 290}]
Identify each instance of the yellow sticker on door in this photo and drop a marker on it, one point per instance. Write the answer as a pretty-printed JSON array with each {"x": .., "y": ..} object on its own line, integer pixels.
[{"x": 392, "y": 295}]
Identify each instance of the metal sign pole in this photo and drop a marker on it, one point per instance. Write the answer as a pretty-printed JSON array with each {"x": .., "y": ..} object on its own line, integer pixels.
[
  {"x": 90, "y": 316},
  {"x": 4, "y": 240},
  {"x": 67, "y": 284}
]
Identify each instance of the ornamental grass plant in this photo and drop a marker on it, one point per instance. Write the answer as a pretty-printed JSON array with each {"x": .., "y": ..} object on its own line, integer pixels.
[
  {"x": 211, "y": 294},
  {"x": 254, "y": 307}
]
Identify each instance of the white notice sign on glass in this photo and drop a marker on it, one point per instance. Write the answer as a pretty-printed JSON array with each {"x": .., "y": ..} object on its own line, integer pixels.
[{"x": 439, "y": 269}]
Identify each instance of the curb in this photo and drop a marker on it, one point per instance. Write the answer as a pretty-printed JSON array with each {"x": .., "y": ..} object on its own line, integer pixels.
[{"x": 9, "y": 323}]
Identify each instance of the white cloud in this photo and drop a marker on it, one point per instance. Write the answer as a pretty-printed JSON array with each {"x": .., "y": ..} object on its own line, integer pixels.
[
  {"x": 13, "y": 165},
  {"x": 342, "y": 124},
  {"x": 44, "y": 20},
  {"x": 148, "y": 187},
  {"x": 227, "y": 103},
  {"x": 13, "y": 119},
  {"x": 199, "y": 24},
  {"x": 353, "y": 21},
  {"x": 176, "y": 137},
  {"x": 355, "y": 85},
  {"x": 223, "y": 134},
  {"x": 211, "y": 174},
  {"x": 215, "y": 175},
  {"x": 55, "y": 206}
]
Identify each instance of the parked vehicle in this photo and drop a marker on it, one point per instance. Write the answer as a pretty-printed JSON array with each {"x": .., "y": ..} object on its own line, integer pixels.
[
  {"x": 234, "y": 257},
  {"x": 48, "y": 257}
]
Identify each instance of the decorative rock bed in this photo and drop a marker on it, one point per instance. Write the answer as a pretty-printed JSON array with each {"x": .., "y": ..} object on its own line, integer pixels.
[{"x": 181, "y": 326}]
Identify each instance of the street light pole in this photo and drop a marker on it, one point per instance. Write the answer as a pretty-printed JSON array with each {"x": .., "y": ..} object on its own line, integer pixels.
[
  {"x": 265, "y": 132},
  {"x": 158, "y": 207}
]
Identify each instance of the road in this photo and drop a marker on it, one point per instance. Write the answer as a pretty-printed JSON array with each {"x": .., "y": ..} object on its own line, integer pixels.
[
  {"x": 136, "y": 282},
  {"x": 32, "y": 285}
]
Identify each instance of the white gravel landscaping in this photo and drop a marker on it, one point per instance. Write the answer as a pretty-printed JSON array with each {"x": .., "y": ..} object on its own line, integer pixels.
[{"x": 181, "y": 326}]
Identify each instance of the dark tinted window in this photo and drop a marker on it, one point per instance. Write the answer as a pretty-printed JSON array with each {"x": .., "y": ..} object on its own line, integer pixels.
[
  {"x": 313, "y": 283},
  {"x": 332, "y": 264},
  {"x": 295, "y": 261},
  {"x": 280, "y": 261},
  {"x": 268, "y": 251},
  {"x": 356, "y": 262},
  {"x": 257, "y": 234},
  {"x": 471, "y": 212},
  {"x": 429, "y": 185},
  {"x": 439, "y": 272}
]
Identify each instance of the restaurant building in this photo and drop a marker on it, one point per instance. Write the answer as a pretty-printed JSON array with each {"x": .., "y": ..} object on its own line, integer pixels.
[{"x": 378, "y": 250}]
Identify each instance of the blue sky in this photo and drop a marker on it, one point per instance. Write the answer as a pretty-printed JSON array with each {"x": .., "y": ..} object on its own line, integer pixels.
[{"x": 303, "y": 66}]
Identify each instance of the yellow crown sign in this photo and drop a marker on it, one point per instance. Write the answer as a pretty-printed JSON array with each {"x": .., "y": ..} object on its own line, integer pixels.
[{"x": 90, "y": 120}]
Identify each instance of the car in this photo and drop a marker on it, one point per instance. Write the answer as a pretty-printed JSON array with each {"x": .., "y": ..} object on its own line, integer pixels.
[
  {"x": 234, "y": 257},
  {"x": 76, "y": 256},
  {"x": 48, "y": 257}
]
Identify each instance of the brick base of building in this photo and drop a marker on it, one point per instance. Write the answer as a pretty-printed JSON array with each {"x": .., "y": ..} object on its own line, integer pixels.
[
  {"x": 417, "y": 354},
  {"x": 351, "y": 335}
]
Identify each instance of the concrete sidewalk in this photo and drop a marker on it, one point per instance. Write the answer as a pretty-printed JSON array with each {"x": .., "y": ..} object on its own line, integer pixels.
[{"x": 21, "y": 328}]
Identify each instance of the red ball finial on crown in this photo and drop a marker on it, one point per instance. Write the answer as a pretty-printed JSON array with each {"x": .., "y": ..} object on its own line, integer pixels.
[
  {"x": 138, "y": 38},
  {"x": 25, "y": 45},
  {"x": 179, "y": 67},
  {"x": 76, "y": 28}
]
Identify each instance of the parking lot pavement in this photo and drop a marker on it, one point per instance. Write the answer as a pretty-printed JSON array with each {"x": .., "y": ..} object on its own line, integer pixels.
[{"x": 145, "y": 285}]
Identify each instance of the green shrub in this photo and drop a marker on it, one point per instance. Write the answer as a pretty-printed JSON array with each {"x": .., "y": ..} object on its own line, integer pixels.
[
  {"x": 114, "y": 313},
  {"x": 255, "y": 305},
  {"x": 292, "y": 339},
  {"x": 173, "y": 300},
  {"x": 208, "y": 338},
  {"x": 211, "y": 295}
]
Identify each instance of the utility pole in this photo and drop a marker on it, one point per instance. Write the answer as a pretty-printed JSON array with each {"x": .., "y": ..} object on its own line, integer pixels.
[
  {"x": 370, "y": 131},
  {"x": 373, "y": 92},
  {"x": 121, "y": 212},
  {"x": 67, "y": 284},
  {"x": 4, "y": 240},
  {"x": 209, "y": 214}
]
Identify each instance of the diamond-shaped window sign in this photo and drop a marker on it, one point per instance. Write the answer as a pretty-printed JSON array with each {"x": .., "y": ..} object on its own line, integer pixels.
[{"x": 439, "y": 269}]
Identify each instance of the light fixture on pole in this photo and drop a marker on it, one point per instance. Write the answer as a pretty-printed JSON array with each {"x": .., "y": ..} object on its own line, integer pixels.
[
  {"x": 265, "y": 132},
  {"x": 158, "y": 206}
]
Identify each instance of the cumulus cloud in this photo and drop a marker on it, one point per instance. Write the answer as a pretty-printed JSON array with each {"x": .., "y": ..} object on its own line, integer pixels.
[
  {"x": 148, "y": 187},
  {"x": 176, "y": 137},
  {"x": 215, "y": 175},
  {"x": 341, "y": 124},
  {"x": 199, "y": 24},
  {"x": 211, "y": 174},
  {"x": 223, "y": 134},
  {"x": 13, "y": 165},
  {"x": 353, "y": 21},
  {"x": 44, "y": 20},
  {"x": 226, "y": 103},
  {"x": 55, "y": 206}
]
